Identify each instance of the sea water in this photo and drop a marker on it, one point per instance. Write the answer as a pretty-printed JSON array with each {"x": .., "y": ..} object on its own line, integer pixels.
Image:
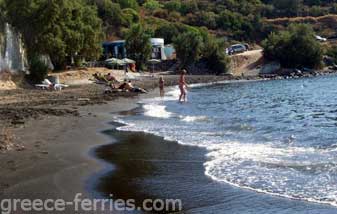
[{"x": 274, "y": 137}]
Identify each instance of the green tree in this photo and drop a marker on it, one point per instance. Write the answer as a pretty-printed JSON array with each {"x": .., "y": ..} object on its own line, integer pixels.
[
  {"x": 214, "y": 54},
  {"x": 332, "y": 52},
  {"x": 188, "y": 47},
  {"x": 295, "y": 47},
  {"x": 129, "y": 4},
  {"x": 167, "y": 31},
  {"x": 152, "y": 5},
  {"x": 59, "y": 28},
  {"x": 173, "y": 5},
  {"x": 138, "y": 45}
]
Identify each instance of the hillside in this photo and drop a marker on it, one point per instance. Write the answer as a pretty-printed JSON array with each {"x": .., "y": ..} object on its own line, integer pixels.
[
  {"x": 326, "y": 25},
  {"x": 72, "y": 31}
]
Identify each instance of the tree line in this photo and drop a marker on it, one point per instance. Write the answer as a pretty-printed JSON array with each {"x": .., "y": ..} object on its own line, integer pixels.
[{"x": 199, "y": 29}]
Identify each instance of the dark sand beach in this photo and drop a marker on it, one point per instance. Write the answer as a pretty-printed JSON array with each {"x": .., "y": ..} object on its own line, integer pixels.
[
  {"x": 66, "y": 146},
  {"x": 146, "y": 166},
  {"x": 50, "y": 136}
]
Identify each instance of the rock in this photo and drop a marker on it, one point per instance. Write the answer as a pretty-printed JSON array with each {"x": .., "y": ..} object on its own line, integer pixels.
[{"x": 270, "y": 68}]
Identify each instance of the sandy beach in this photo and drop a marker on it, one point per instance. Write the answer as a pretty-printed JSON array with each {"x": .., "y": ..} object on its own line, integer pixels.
[
  {"x": 147, "y": 166},
  {"x": 52, "y": 133},
  {"x": 64, "y": 143},
  {"x": 141, "y": 165}
]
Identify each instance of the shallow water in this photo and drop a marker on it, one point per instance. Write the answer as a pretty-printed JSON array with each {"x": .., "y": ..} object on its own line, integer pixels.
[{"x": 275, "y": 137}]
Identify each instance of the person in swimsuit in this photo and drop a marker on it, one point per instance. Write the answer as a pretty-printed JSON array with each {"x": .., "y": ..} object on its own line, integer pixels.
[
  {"x": 161, "y": 86},
  {"x": 182, "y": 86}
]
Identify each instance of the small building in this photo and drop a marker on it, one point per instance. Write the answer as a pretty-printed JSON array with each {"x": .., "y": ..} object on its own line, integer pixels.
[
  {"x": 158, "y": 48},
  {"x": 115, "y": 49},
  {"x": 170, "y": 52}
]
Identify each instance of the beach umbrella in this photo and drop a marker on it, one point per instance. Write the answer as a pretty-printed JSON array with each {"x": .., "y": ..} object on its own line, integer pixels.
[
  {"x": 153, "y": 62},
  {"x": 113, "y": 61},
  {"x": 127, "y": 61}
]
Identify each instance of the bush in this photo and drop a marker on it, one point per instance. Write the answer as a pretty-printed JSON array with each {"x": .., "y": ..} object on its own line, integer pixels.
[
  {"x": 152, "y": 5},
  {"x": 332, "y": 52},
  {"x": 160, "y": 13},
  {"x": 38, "y": 70},
  {"x": 167, "y": 31},
  {"x": 138, "y": 45},
  {"x": 295, "y": 47},
  {"x": 133, "y": 4},
  {"x": 174, "y": 5},
  {"x": 215, "y": 56},
  {"x": 188, "y": 47},
  {"x": 130, "y": 16}
]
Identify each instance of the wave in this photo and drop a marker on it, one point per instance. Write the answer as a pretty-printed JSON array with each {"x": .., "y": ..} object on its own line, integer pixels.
[
  {"x": 281, "y": 169},
  {"x": 155, "y": 110}
]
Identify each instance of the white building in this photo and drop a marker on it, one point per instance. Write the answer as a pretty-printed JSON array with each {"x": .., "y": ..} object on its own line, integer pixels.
[{"x": 158, "y": 47}]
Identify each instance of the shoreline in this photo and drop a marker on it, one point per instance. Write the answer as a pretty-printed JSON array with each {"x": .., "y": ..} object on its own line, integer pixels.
[
  {"x": 149, "y": 181},
  {"x": 52, "y": 158},
  {"x": 145, "y": 166},
  {"x": 57, "y": 146}
]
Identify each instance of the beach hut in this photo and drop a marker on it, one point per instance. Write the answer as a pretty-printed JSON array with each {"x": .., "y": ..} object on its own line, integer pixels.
[
  {"x": 170, "y": 52},
  {"x": 115, "y": 49},
  {"x": 158, "y": 47}
]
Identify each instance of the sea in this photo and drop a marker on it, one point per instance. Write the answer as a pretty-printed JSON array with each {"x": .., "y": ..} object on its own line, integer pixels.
[{"x": 275, "y": 137}]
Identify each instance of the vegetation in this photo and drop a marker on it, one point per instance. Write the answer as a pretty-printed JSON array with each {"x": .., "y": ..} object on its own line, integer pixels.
[
  {"x": 59, "y": 28},
  {"x": 138, "y": 45},
  {"x": 194, "y": 45},
  {"x": 332, "y": 52},
  {"x": 74, "y": 29},
  {"x": 188, "y": 47},
  {"x": 294, "y": 48},
  {"x": 38, "y": 70},
  {"x": 214, "y": 55}
]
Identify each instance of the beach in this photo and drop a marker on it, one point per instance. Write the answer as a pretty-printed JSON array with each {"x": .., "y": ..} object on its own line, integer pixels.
[
  {"x": 52, "y": 134},
  {"x": 146, "y": 166},
  {"x": 69, "y": 147},
  {"x": 235, "y": 156}
]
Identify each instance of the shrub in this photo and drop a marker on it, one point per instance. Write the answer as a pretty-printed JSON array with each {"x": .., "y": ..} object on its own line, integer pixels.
[
  {"x": 295, "y": 47},
  {"x": 215, "y": 56},
  {"x": 152, "y": 5},
  {"x": 138, "y": 45},
  {"x": 160, "y": 13},
  {"x": 188, "y": 47},
  {"x": 174, "y": 5},
  {"x": 332, "y": 52},
  {"x": 167, "y": 31},
  {"x": 38, "y": 70},
  {"x": 130, "y": 16},
  {"x": 129, "y": 4}
]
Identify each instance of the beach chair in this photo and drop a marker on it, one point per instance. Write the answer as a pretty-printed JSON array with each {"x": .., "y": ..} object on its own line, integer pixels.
[{"x": 46, "y": 84}]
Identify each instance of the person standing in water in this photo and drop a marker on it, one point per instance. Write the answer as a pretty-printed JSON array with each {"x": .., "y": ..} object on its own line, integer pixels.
[
  {"x": 182, "y": 86},
  {"x": 161, "y": 86}
]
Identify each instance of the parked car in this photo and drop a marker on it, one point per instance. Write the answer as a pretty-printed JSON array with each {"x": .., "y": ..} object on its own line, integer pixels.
[
  {"x": 237, "y": 48},
  {"x": 247, "y": 46},
  {"x": 319, "y": 38}
]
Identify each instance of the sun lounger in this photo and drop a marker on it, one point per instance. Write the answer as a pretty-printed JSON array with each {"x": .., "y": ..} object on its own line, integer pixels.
[
  {"x": 60, "y": 86},
  {"x": 42, "y": 86},
  {"x": 46, "y": 84}
]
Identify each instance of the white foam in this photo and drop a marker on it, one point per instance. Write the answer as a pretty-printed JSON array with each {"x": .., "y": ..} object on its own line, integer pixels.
[
  {"x": 276, "y": 168},
  {"x": 154, "y": 110},
  {"x": 194, "y": 118}
]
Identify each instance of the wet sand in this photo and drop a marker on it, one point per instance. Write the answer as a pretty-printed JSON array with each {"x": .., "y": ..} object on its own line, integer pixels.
[
  {"x": 53, "y": 134},
  {"x": 54, "y": 157},
  {"x": 145, "y": 166}
]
